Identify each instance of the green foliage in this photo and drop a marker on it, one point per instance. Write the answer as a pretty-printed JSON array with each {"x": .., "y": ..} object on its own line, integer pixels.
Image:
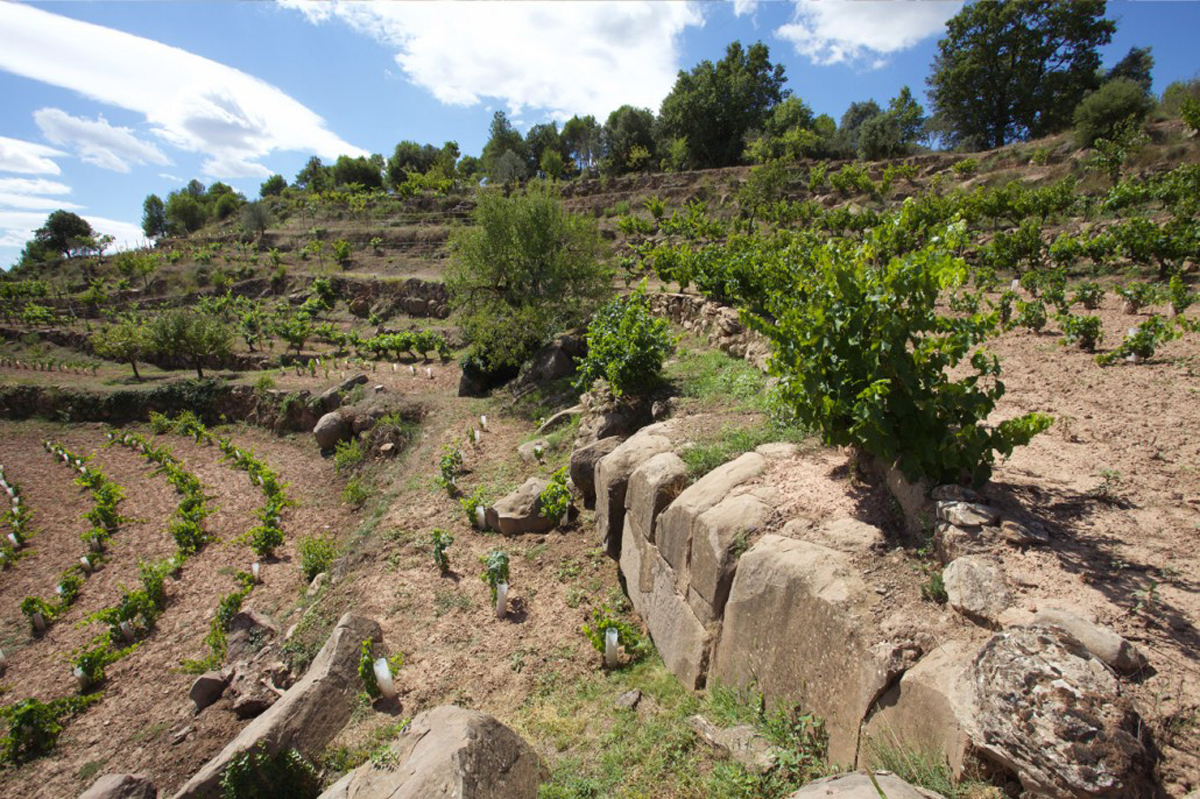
[
  {"x": 441, "y": 541},
  {"x": 1141, "y": 343},
  {"x": 555, "y": 499},
  {"x": 863, "y": 356},
  {"x": 34, "y": 726},
  {"x": 264, "y": 539},
  {"x": 1180, "y": 297},
  {"x": 1031, "y": 315},
  {"x": 495, "y": 570},
  {"x": 1135, "y": 295},
  {"x": 347, "y": 455},
  {"x": 31, "y": 605},
  {"x": 258, "y": 774},
  {"x": 316, "y": 555},
  {"x": 966, "y": 167},
  {"x": 124, "y": 341},
  {"x": 628, "y": 637},
  {"x": 934, "y": 589},
  {"x": 342, "y": 252},
  {"x": 1189, "y": 112},
  {"x": 626, "y": 346},
  {"x": 191, "y": 336},
  {"x": 90, "y": 660},
  {"x": 1086, "y": 331},
  {"x": 706, "y": 455},
  {"x": 450, "y": 466},
  {"x": 1089, "y": 295},
  {"x": 526, "y": 270},
  {"x": 1051, "y": 62},
  {"x": 477, "y": 499},
  {"x": 356, "y": 492},
  {"x": 1101, "y": 114},
  {"x": 63, "y": 232}
]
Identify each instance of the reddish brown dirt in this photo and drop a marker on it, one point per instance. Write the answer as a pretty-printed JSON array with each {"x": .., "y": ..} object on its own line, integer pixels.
[{"x": 145, "y": 701}]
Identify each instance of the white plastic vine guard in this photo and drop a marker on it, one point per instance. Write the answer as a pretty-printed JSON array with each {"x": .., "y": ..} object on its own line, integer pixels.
[
  {"x": 501, "y": 600},
  {"x": 610, "y": 648},
  {"x": 254, "y": 570},
  {"x": 480, "y": 517},
  {"x": 383, "y": 677},
  {"x": 127, "y": 631}
]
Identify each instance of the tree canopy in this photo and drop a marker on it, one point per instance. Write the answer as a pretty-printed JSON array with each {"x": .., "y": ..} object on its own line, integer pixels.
[
  {"x": 63, "y": 232},
  {"x": 154, "y": 217},
  {"x": 1012, "y": 70},
  {"x": 716, "y": 105},
  {"x": 526, "y": 270}
]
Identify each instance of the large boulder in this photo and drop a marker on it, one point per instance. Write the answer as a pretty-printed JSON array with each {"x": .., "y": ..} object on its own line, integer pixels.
[
  {"x": 719, "y": 536},
  {"x": 521, "y": 511},
  {"x": 583, "y": 466},
  {"x": 858, "y": 785},
  {"x": 612, "y": 478},
  {"x": 331, "y": 428},
  {"x": 308, "y": 715},
  {"x": 121, "y": 786},
  {"x": 451, "y": 752},
  {"x": 208, "y": 688},
  {"x": 553, "y": 361},
  {"x": 798, "y": 627},
  {"x": 1053, "y": 714}
]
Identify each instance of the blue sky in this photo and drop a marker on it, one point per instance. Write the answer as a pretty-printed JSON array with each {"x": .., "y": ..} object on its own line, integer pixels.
[{"x": 104, "y": 103}]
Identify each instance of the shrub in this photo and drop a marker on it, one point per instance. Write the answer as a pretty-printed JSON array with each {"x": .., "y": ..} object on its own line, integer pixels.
[
  {"x": 555, "y": 498},
  {"x": 626, "y": 346},
  {"x": 1189, "y": 112},
  {"x": 316, "y": 555},
  {"x": 347, "y": 455},
  {"x": 525, "y": 270},
  {"x": 1100, "y": 113},
  {"x": 441, "y": 541},
  {"x": 1179, "y": 295},
  {"x": 882, "y": 383},
  {"x": 495, "y": 570},
  {"x": 264, "y": 538},
  {"x": 355, "y": 493},
  {"x": 603, "y": 620},
  {"x": 966, "y": 167},
  {"x": 34, "y": 726},
  {"x": 478, "y": 498},
  {"x": 1141, "y": 343},
  {"x": 1089, "y": 295},
  {"x": 258, "y": 774},
  {"x": 341, "y": 252},
  {"x": 366, "y": 667},
  {"x": 449, "y": 468},
  {"x": 1086, "y": 331},
  {"x": 1031, "y": 315}
]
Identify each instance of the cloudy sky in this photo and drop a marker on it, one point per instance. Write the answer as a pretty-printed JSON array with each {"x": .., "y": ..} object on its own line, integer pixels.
[{"x": 107, "y": 102}]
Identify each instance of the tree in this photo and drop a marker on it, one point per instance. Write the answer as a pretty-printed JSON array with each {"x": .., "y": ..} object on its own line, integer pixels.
[
  {"x": 315, "y": 176},
  {"x": 154, "y": 217},
  {"x": 850, "y": 128},
  {"x": 1135, "y": 66},
  {"x": 626, "y": 130},
  {"x": 132, "y": 264},
  {"x": 892, "y": 133},
  {"x": 552, "y": 164},
  {"x": 582, "y": 137},
  {"x": 124, "y": 341},
  {"x": 524, "y": 271},
  {"x": 191, "y": 336},
  {"x": 510, "y": 168},
  {"x": 409, "y": 157},
  {"x": 542, "y": 139},
  {"x": 1112, "y": 105},
  {"x": 63, "y": 231},
  {"x": 1012, "y": 70},
  {"x": 185, "y": 213},
  {"x": 364, "y": 171},
  {"x": 272, "y": 186},
  {"x": 256, "y": 217},
  {"x": 716, "y": 105},
  {"x": 502, "y": 138}
]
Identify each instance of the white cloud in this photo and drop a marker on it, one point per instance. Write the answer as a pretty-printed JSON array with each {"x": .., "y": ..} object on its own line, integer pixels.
[
  {"x": 562, "y": 58},
  {"x": 28, "y": 194},
  {"x": 191, "y": 102},
  {"x": 32, "y": 202},
  {"x": 841, "y": 31},
  {"x": 96, "y": 141},
  {"x": 27, "y": 158},
  {"x": 743, "y": 7},
  {"x": 33, "y": 186}
]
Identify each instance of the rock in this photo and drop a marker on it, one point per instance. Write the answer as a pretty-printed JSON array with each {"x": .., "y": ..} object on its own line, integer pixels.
[
  {"x": 955, "y": 493},
  {"x": 530, "y": 449},
  {"x": 1053, "y": 714},
  {"x": 674, "y": 536},
  {"x": 553, "y": 361},
  {"x": 661, "y": 409},
  {"x": 1113, "y": 650},
  {"x": 719, "y": 536},
  {"x": 850, "y": 535},
  {"x": 680, "y": 637},
  {"x": 305, "y": 718},
  {"x": 950, "y": 542},
  {"x": 388, "y": 449},
  {"x": 798, "y": 627},
  {"x": 379, "y": 388},
  {"x": 912, "y": 497},
  {"x": 1023, "y": 533},
  {"x": 121, "y": 786},
  {"x": 317, "y": 584},
  {"x": 583, "y": 466},
  {"x": 360, "y": 307},
  {"x": 628, "y": 700},
  {"x": 331, "y": 428},
  {"x": 330, "y": 399},
  {"x": 249, "y": 631},
  {"x": 967, "y": 514},
  {"x": 858, "y": 785},
  {"x": 742, "y": 743},
  {"x": 612, "y": 478},
  {"x": 560, "y": 419},
  {"x": 520, "y": 511},
  {"x": 930, "y": 708},
  {"x": 208, "y": 688},
  {"x": 451, "y": 752},
  {"x": 359, "y": 379},
  {"x": 651, "y": 488},
  {"x": 975, "y": 588},
  {"x": 475, "y": 381}
]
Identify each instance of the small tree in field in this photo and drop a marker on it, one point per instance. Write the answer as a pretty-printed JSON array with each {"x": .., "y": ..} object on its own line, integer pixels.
[
  {"x": 191, "y": 336},
  {"x": 526, "y": 270},
  {"x": 124, "y": 341}
]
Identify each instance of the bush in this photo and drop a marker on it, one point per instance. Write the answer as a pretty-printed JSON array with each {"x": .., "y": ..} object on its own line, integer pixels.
[
  {"x": 555, "y": 499},
  {"x": 882, "y": 383},
  {"x": 34, "y": 726},
  {"x": 1101, "y": 112},
  {"x": 626, "y": 346},
  {"x": 1086, "y": 331},
  {"x": 347, "y": 455},
  {"x": 316, "y": 555},
  {"x": 257, "y": 774},
  {"x": 355, "y": 493},
  {"x": 441, "y": 541},
  {"x": 524, "y": 271}
]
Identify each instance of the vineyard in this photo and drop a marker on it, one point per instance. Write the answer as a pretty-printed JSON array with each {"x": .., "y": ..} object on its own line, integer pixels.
[{"x": 1020, "y": 322}]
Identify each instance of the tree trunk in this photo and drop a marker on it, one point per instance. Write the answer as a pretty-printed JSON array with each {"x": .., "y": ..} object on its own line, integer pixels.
[
  {"x": 199, "y": 369},
  {"x": 136, "y": 376}
]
